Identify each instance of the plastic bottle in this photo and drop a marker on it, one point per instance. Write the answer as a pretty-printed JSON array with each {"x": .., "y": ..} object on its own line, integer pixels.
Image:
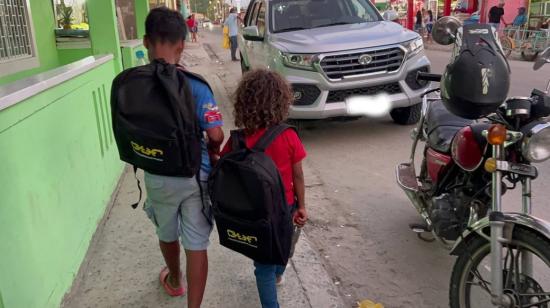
[{"x": 140, "y": 55}]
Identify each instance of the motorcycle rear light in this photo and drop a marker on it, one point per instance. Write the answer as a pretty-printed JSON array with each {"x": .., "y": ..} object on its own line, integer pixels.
[{"x": 497, "y": 134}]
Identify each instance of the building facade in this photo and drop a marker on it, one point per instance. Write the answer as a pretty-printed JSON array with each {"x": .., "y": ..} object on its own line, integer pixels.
[{"x": 59, "y": 160}]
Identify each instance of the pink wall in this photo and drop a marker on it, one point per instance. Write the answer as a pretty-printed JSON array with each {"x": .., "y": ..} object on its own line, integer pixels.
[{"x": 510, "y": 9}]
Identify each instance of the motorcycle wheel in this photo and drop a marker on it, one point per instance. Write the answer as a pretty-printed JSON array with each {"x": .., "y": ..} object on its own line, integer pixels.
[
  {"x": 521, "y": 288},
  {"x": 507, "y": 45},
  {"x": 406, "y": 115}
]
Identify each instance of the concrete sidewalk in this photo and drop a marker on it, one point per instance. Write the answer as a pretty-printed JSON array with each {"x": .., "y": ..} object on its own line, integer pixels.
[{"x": 123, "y": 262}]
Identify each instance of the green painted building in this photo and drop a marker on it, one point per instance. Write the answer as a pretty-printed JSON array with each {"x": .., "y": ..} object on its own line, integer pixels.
[{"x": 58, "y": 160}]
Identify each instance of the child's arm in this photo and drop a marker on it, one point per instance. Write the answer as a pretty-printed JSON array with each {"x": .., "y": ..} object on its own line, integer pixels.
[{"x": 300, "y": 216}]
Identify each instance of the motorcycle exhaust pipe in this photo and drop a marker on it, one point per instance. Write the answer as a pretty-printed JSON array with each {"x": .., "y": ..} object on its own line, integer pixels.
[{"x": 419, "y": 206}]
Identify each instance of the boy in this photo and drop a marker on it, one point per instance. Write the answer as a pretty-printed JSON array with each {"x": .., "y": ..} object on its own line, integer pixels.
[{"x": 174, "y": 204}]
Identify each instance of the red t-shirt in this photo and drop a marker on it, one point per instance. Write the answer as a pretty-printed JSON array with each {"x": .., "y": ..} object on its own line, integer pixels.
[
  {"x": 286, "y": 150},
  {"x": 190, "y": 23}
]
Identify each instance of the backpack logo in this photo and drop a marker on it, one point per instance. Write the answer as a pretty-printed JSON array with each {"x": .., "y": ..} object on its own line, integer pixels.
[
  {"x": 147, "y": 152},
  {"x": 485, "y": 74},
  {"x": 249, "y": 240}
]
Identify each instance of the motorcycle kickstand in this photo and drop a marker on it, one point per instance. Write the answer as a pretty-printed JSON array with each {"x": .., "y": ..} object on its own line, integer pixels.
[
  {"x": 420, "y": 230},
  {"x": 425, "y": 239}
]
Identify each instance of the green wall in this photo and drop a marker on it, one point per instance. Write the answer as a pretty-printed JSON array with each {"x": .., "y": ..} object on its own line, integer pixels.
[
  {"x": 59, "y": 168},
  {"x": 142, "y": 9},
  {"x": 103, "y": 30},
  {"x": 43, "y": 20},
  {"x": 67, "y": 56}
]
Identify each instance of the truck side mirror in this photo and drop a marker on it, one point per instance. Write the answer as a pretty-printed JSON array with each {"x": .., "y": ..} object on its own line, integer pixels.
[{"x": 252, "y": 33}]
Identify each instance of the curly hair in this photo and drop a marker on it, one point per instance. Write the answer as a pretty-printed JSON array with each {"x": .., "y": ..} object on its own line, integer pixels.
[{"x": 261, "y": 100}]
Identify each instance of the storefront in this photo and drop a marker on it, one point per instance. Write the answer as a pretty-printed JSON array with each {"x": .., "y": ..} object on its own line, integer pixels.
[
  {"x": 407, "y": 9},
  {"x": 538, "y": 11}
]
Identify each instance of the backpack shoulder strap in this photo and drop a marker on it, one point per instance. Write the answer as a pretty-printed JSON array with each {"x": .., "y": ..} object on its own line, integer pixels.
[
  {"x": 269, "y": 136},
  {"x": 165, "y": 74},
  {"x": 194, "y": 76},
  {"x": 237, "y": 140}
]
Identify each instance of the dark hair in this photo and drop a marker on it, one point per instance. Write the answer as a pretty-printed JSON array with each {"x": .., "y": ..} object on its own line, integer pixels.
[
  {"x": 431, "y": 14},
  {"x": 233, "y": 10},
  {"x": 261, "y": 100},
  {"x": 165, "y": 25}
]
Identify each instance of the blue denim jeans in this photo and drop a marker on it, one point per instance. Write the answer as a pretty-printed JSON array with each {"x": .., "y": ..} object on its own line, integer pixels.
[{"x": 266, "y": 275}]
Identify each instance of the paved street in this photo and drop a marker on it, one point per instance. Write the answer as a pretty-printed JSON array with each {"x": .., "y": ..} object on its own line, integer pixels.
[{"x": 359, "y": 219}]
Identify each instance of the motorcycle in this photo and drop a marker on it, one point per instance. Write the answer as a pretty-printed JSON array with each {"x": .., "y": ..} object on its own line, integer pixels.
[{"x": 466, "y": 167}]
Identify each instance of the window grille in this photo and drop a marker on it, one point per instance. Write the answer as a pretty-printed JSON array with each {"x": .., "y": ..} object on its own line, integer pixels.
[{"x": 16, "y": 41}]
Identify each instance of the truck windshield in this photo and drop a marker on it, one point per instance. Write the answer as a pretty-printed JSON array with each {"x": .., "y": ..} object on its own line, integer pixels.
[{"x": 292, "y": 15}]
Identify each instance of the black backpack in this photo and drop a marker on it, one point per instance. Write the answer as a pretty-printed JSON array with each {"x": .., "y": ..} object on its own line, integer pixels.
[
  {"x": 249, "y": 203},
  {"x": 154, "y": 120}
]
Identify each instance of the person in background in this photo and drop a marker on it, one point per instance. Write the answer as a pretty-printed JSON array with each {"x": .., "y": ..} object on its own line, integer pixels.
[
  {"x": 429, "y": 21},
  {"x": 495, "y": 15},
  {"x": 419, "y": 24},
  {"x": 546, "y": 26},
  {"x": 519, "y": 21},
  {"x": 193, "y": 28},
  {"x": 232, "y": 22},
  {"x": 390, "y": 14}
]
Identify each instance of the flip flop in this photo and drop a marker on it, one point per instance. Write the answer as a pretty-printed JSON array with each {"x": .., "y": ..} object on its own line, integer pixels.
[{"x": 164, "y": 282}]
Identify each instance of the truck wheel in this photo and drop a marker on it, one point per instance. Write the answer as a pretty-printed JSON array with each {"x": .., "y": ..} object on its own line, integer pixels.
[
  {"x": 299, "y": 125},
  {"x": 406, "y": 115},
  {"x": 244, "y": 68}
]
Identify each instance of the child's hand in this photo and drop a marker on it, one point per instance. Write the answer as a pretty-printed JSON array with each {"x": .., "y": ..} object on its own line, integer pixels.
[
  {"x": 300, "y": 217},
  {"x": 214, "y": 158}
]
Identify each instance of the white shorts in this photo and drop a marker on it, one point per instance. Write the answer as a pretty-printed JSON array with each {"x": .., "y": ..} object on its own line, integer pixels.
[{"x": 175, "y": 207}]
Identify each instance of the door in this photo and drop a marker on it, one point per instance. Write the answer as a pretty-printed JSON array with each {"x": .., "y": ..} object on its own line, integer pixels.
[
  {"x": 249, "y": 46},
  {"x": 262, "y": 51}
]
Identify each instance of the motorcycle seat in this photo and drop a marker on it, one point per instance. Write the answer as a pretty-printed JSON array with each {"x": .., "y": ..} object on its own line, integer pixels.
[{"x": 442, "y": 126}]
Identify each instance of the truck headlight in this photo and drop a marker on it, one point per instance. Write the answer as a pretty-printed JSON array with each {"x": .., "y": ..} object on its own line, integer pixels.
[
  {"x": 413, "y": 47},
  {"x": 536, "y": 145},
  {"x": 300, "y": 61}
]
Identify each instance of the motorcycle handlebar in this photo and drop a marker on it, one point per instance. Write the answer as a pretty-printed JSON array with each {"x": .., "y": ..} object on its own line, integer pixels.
[{"x": 428, "y": 76}]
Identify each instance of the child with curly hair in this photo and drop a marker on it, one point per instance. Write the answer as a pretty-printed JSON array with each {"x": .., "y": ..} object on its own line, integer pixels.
[{"x": 261, "y": 101}]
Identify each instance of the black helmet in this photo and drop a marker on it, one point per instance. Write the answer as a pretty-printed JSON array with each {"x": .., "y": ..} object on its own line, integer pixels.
[{"x": 477, "y": 81}]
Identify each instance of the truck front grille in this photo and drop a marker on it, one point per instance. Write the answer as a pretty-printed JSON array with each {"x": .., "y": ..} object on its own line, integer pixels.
[{"x": 345, "y": 65}]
